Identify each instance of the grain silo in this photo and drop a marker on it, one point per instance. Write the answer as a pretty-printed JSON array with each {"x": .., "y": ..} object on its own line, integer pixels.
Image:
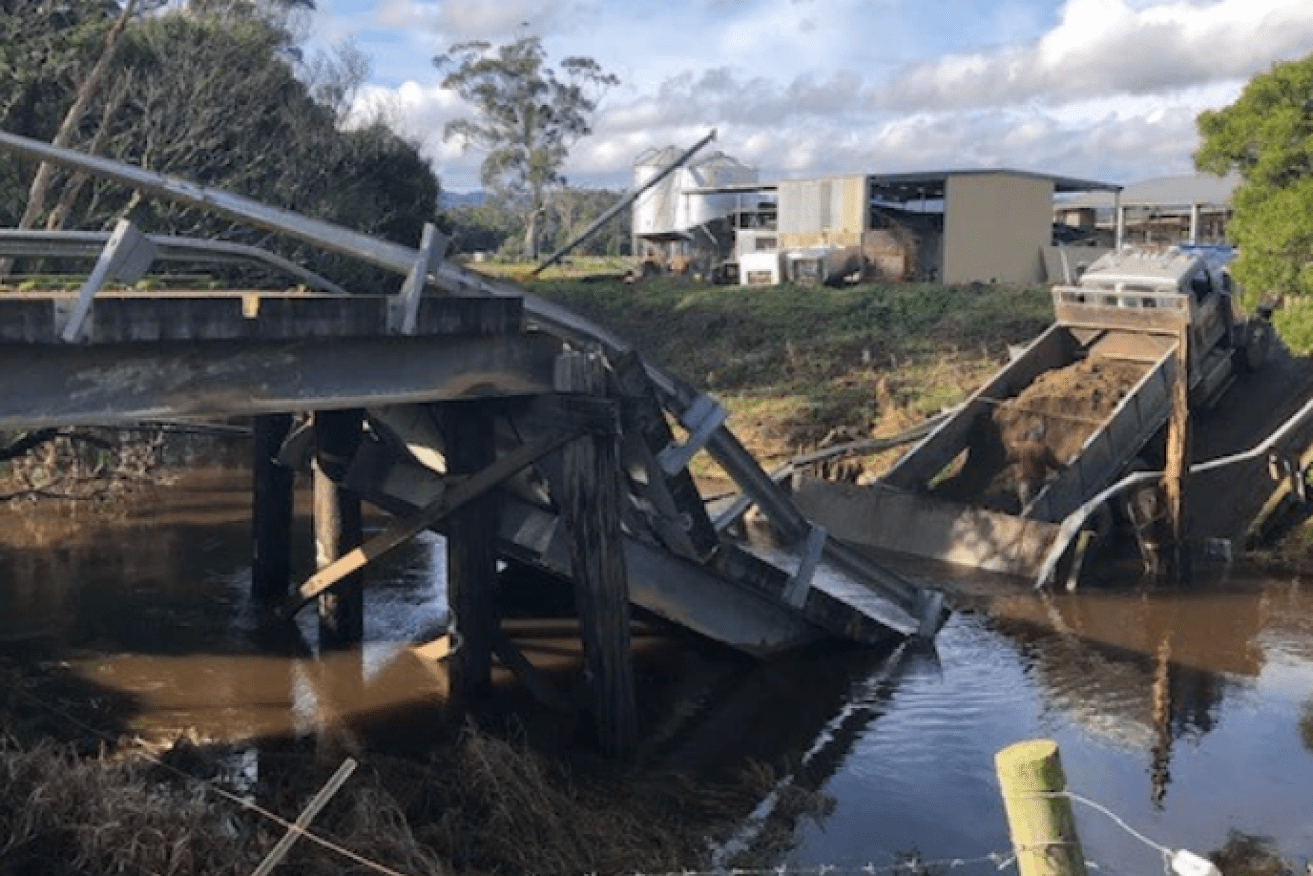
[{"x": 700, "y": 195}]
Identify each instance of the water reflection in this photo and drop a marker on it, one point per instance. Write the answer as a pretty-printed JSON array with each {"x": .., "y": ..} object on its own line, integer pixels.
[
  {"x": 1187, "y": 713},
  {"x": 1184, "y": 712},
  {"x": 151, "y": 598},
  {"x": 1143, "y": 668}
]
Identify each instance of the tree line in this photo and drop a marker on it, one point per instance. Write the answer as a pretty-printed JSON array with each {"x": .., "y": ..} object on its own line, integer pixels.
[
  {"x": 221, "y": 92},
  {"x": 216, "y": 91},
  {"x": 496, "y": 226}
]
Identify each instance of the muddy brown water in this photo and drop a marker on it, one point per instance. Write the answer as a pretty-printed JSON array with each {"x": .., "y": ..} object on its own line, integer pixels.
[{"x": 1189, "y": 715}]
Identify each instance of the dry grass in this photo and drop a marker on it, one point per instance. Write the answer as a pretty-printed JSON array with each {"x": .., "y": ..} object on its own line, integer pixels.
[
  {"x": 499, "y": 807},
  {"x": 63, "y": 814},
  {"x": 482, "y": 805}
]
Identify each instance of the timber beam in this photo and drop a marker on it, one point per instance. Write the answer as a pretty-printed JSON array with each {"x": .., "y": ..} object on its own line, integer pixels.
[
  {"x": 450, "y": 498},
  {"x": 738, "y": 603},
  {"x": 338, "y": 525}
]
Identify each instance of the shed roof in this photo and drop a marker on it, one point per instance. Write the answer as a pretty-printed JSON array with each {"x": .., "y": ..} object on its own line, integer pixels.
[
  {"x": 1182, "y": 190},
  {"x": 930, "y": 185}
]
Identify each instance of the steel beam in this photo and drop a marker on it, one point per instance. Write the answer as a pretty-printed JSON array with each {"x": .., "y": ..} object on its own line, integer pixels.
[{"x": 126, "y": 383}]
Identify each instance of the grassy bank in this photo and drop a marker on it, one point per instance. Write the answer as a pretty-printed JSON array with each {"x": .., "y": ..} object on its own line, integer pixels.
[{"x": 794, "y": 363}]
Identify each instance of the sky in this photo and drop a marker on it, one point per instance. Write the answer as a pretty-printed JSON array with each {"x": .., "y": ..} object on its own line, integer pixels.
[{"x": 1097, "y": 89}]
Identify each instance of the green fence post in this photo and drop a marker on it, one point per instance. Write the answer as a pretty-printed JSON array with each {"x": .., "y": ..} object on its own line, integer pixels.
[{"x": 1039, "y": 814}]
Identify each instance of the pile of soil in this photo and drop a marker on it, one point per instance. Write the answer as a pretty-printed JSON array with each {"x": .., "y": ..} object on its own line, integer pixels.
[
  {"x": 1058, "y": 412},
  {"x": 1068, "y": 403}
]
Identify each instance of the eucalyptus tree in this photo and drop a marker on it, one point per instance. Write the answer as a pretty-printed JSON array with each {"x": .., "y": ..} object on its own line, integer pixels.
[
  {"x": 46, "y": 50},
  {"x": 527, "y": 117}
]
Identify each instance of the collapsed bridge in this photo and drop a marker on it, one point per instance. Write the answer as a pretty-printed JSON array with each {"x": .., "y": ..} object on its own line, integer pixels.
[{"x": 523, "y": 432}]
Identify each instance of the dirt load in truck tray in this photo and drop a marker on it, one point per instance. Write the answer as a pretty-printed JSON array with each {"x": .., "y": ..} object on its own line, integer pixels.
[
  {"x": 1065, "y": 406},
  {"x": 1070, "y": 402}
]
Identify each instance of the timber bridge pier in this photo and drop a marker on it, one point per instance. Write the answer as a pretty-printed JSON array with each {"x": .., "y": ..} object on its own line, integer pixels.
[{"x": 522, "y": 432}]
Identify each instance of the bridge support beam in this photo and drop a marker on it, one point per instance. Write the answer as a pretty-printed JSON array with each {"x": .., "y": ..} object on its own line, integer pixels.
[
  {"x": 338, "y": 528},
  {"x": 472, "y": 549},
  {"x": 271, "y": 516},
  {"x": 589, "y": 495}
]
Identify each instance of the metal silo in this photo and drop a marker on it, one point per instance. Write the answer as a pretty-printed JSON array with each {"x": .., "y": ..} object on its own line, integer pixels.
[
  {"x": 654, "y": 211},
  {"x": 716, "y": 170},
  {"x": 674, "y": 205}
]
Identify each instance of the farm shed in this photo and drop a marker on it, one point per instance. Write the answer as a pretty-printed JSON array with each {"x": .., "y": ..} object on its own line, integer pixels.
[{"x": 958, "y": 226}]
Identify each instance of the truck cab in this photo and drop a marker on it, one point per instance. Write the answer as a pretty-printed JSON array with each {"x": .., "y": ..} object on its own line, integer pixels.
[{"x": 1137, "y": 304}]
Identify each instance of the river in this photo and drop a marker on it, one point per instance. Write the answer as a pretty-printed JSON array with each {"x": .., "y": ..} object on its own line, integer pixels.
[{"x": 1187, "y": 715}]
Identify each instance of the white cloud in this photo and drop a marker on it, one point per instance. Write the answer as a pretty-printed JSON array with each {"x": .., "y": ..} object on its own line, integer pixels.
[
  {"x": 495, "y": 20},
  {"x": 1102, "y": 47},
  {"x": 1106, "y": 89}
]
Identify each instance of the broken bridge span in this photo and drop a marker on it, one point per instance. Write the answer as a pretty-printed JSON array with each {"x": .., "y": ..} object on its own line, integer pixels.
[{"x": 435, "y": 407}]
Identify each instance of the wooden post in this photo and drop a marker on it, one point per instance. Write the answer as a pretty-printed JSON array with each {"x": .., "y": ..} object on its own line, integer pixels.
[
  {"x": 467, "y": 428},
  {"x": 1176, "y": 474},
  {"x": 271, "y": 514},
  {"x": 338, "y": 527},
  {"x": 1039, "y": 815},
  {"x": 590, "y": 511}
]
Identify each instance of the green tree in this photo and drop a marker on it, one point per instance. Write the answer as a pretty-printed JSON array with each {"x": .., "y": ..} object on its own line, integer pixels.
[
  {"x": 1267, "y": 137},
  {"x": 527, "y": 117},
  {"x": 573, "y": 209},
  {"x": 215, "y": 91},
  {"x": 46, "y": 50},
  {"x": 483, "y": 227}
]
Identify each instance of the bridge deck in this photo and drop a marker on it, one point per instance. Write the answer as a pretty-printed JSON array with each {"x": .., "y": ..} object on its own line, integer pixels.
[
  {"x": 32, "y": 317},
  {"x": 233, "y": 353}
]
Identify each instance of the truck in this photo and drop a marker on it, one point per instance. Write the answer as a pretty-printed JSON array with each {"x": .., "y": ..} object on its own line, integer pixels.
[{"x": 1074, "y": 410}]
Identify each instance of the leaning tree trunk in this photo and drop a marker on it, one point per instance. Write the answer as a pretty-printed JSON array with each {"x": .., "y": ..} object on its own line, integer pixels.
[
  {"x": 36, "y": 196},
  {"x": 58, "y": 217}
]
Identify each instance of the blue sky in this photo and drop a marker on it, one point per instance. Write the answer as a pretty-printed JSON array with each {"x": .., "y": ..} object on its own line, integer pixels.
[{"x": 1105, "y": 89}]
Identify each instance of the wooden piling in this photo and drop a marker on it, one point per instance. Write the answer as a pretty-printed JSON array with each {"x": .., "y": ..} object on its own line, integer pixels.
[
  {"x": 1176, "y": 475},
  {"x": 468, "y": 430},
  {"x": 591, "y": 509},
  {"x": 1039, "y": 814},
  {"x": 338, "y": 526},
  {"x": 271, "y": 514}
]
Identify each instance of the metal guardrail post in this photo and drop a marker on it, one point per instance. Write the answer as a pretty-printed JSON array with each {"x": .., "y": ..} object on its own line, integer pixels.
[
  {"x": 701, "y": 418},
  {"x": 126, "y": 256},
  {"x": 801, "y": 582},
  {"x": 403, "y": 311}
]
